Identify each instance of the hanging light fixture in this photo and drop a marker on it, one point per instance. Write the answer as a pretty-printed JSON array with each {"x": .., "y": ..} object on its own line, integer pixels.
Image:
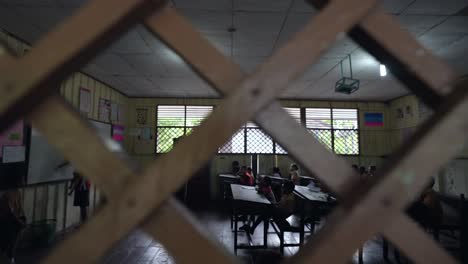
[
  {"x": 347, "y": 85},
  {"x": 383, "y": 70}
]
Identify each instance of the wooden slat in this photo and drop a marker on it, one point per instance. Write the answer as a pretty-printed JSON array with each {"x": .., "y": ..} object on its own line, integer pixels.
[
  {"x": 50, "y": 61},
  {"x": 404, "y": 232},
  {"x": 153, "y": 186},
  {"x": 414, "y": 65},
  {"x": 225, "y": 75},
  {"x": 405, "y": 176},
  {"x": 109, "y": 172}
]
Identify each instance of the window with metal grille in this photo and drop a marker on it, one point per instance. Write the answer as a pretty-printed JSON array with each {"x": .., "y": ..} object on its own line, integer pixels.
[
  {"x": 174, "y": 121},
  {"x": 335, "y": 128},
  {"x": 251, "y": 139},
  {"x": 295, "y": 113}
]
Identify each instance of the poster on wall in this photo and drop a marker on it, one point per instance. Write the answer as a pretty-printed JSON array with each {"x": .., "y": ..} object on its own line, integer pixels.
[
  {"x": 114, "y": 112},
  {"x": 85, "y": 100},
  {"x": 104, "y": 110},
  {"x": 118, "y": 133},
  {"x": 142, "y": 115},
  {"x": 13, "y": 154},
  {"x": 373, "y": 119},
  {"x": 13, "y": 136}
]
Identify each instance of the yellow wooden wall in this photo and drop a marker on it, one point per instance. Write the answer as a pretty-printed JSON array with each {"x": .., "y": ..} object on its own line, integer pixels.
[
  {"x": 39, "y": 199},
  {"x": 374, "y": 140},
  {"x": 71, "y": 86}
]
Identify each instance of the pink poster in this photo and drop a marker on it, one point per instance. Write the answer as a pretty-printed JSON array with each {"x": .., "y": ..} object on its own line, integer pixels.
[
  {"x": 13, "y": 136},
  {"x": 118, "y": 133}
]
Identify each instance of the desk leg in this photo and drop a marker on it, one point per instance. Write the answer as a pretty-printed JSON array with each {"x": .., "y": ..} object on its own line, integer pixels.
[
  {"x": 385, "y": 248},
  {"x": 266, "y": 224},
  {"x": 235, "y": 232},
  {"x": 361, "y": 255}
]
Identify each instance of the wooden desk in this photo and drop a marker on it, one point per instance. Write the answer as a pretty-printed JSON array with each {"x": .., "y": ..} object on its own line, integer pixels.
[
  {"x": 304, "y": 192},
  {"x": 247, "y": 200},
  {"x": 273, "y": 178},
  {"x": 229, "y": 177},
  {"x": 225, "y": 180}
]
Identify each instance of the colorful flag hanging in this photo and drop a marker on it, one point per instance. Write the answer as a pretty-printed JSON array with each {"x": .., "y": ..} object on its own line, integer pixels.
[{"x": 373, "y": 119}]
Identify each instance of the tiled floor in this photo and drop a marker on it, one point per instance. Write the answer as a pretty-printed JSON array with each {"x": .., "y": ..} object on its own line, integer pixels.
[{"x": 141, "y": 249}]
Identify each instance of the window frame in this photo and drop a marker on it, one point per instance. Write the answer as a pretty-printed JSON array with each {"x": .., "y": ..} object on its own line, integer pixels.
[
  {"x": 332, "y": 129},
  {"x": 184, "y": 127},
  {"x": 275, "y": 145}
]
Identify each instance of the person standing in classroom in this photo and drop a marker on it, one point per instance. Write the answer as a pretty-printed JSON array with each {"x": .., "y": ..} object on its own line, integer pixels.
[
  {"x": 80, "y": 187},
  {"x": 12, "y": 222}
]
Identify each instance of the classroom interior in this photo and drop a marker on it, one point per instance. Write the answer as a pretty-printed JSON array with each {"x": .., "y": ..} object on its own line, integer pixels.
[{"x": 140, "y": 97}]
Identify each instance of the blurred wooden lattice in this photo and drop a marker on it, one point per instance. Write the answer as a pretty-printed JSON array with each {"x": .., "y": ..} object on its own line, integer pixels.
[{"x": 28, "y": 86}]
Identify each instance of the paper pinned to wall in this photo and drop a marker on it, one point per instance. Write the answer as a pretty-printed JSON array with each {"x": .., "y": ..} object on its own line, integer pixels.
[
  {"x": 114, "y": 112},
  {"x": 85, "y": 100},
  {"x": 13, "y": 136},
  {"x": 104, "y": 110},
  {"x": 146, "y": 133},
  {"x": 14, "y": 154}
]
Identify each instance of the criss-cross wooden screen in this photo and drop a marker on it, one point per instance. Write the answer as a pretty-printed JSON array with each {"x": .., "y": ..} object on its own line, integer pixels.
[{"x": 29, "y": 86}]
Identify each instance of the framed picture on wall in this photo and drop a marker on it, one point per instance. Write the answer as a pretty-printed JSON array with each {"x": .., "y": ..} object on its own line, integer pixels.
[
  {"x": 400, "y": 114},
  {"x": 142, "y": 116}
]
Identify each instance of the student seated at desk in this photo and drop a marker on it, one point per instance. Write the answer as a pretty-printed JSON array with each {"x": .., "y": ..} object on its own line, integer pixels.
[
  {"x": 276, "y": 172},
  {"x": 294, "y": 174},
  {"x": 246, "y": 177},
  {"x": 264, "y": 187},
  {"x": 427, "y": 210},
  {"x": 282, "y": 210},
  {"x": 235, "y": 167}
]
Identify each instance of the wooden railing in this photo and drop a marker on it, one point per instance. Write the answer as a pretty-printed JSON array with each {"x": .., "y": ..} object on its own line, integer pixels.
[{"x": 28, "y": 86}]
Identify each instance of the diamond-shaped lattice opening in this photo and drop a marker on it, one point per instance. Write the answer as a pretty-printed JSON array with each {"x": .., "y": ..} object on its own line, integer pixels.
[
  {"x": 346, "y": 142},
  {"x": 166, "y": 136},
  {"x": 235, "y": 144},
  {"x": 279, "y": 149},
  {"x": 324, "y": 136},
  {"x": 258, "y": 142}
]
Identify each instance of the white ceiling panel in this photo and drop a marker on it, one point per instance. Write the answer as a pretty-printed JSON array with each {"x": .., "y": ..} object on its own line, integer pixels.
[
  {"x": 294, "y": 23},
  {"x": 21, "y": 28},
  {"x": 434, "y": 42},
  {"x": 453, "y": 25},
  {"x": 436, "y": 7},
  {"x": 248, "y": 64},
  {"x": 319, "y": 69},
  {"x": 113, "y": 64},
  {"x": 140, "y": 65},
  {"x": 209, "y": 21},
  {"x": 456, "y": 50},
  {"x": 262, "y": 5},
  {"x": 204, "y": 4},
  {"x": 140, "y": 84},
  {"x": 260, "y": 23},
  {"x": 145, "y": 64},
  {"x": 187, "y": 87},
  {"x": 252, "y": 48},
  {"x": 419, "y": 24},
  {"x": 296, "y": 89},
  {"x": 131, "y": 42}
]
